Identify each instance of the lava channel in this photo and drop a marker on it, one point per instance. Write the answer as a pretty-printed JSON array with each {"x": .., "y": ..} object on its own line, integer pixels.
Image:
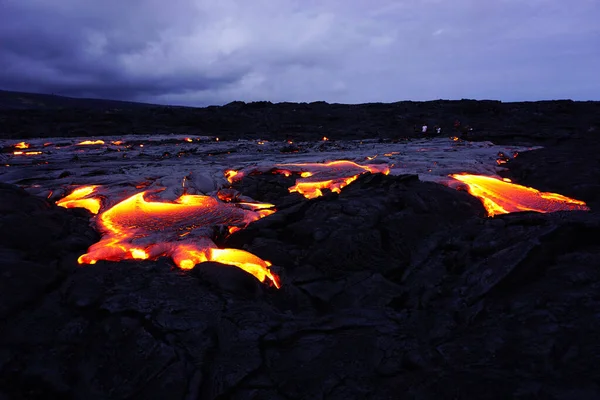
[
  {"x": 314, "y": 177},
  {"x": 140, "y": 229},
  {"x": 500, "y": 197}
]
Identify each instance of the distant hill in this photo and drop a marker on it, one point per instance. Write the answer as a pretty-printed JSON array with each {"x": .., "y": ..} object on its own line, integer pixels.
[
  {"x": 37, "y": 101},
  {"x": 30, "y": 115}
]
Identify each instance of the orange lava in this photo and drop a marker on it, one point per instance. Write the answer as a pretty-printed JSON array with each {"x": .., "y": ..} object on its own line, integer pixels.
[
  {"x": 232, "y": 175},
  {"x": 140, "y": 229},
  {"x": 501, "y": 197},
  {"x": 21, "y": 145},
  {"x": 310, "y": 190},
  {"x": 314, "y": 177},
  {"x": 334, "y": 175},
  {"x": 90, "y": 142},
  {"x": 79, "y": 198}
]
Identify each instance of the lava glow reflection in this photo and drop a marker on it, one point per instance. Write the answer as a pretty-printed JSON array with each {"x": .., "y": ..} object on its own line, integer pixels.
[
  {"x": 140, "y": 229},
  {"x": 500, "y": 197}
]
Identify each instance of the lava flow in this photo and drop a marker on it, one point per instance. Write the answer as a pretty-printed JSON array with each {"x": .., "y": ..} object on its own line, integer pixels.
[
  {"x": 140, "y": 229},
  {"x": 501, "y": 197},
  {"x": 21, "y": 145},
  {"x": 90, "y": 142},
  {"x": 314, "y": 177},
  {"x": 79, "y": 198}
]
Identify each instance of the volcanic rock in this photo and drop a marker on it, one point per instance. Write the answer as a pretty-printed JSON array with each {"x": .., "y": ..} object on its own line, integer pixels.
[
  {"x": 227, "y": 278},
  {"x": 26, "y": 115},
  {"x": 269, "y": 188}
]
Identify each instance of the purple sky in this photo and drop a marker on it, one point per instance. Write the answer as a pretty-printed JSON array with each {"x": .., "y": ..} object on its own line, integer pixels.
[{"x": 197, "y": 52}]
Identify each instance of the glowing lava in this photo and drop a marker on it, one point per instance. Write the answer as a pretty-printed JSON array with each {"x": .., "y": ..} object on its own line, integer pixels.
[
  {"x": 233, "y": 175},
  {"x": 334, "y": 175},
  {"x": 140, "y": 229},
  {"x": 79, "y": 198},
  {"x": 90, "y": 142},
  {"x": 314, "y": 177},
  {"x": 501, "y": 197},
  {"x": 21, "y": 145}
]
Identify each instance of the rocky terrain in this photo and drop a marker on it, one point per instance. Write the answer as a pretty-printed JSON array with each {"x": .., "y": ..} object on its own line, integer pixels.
[
  {"x": 395, "y": 288},
  {"x": 25, "y": 116}
]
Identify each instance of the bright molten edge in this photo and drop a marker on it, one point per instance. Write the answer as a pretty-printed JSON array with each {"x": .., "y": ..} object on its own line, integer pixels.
[
  {"x": 314, "y": 177},
  {"x": 79, "y": 198},
  {"x": 499, "y": 197},
  {"x": 140, "y": 229}
]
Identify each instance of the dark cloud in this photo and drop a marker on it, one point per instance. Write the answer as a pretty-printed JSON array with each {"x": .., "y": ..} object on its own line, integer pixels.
[{"x": 201, "y": 52}]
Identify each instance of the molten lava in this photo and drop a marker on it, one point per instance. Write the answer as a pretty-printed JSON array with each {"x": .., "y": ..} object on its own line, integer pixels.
[
  {"x": 314, "y": 177},
  {"x": 140, "y": 229},
  {"x": 21, "y": 145},
  {"x": 79, "y": 198},
  {"x": 334, "y": 175},
  {"x": 233, "y": 175},
  {"x": 90, "y": 142},
  {"x": 501, "y": 197}
]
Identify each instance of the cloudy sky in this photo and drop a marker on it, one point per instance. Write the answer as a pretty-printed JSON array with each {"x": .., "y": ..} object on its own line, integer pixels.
[{"x": 197, "y": 52}]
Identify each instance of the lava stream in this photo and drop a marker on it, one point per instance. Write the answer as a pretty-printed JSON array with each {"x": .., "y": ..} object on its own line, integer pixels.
[
  {"x": 21, "y": 145},
  {"x": 500, "y": 197},
  {"x": 90, "y": 142},
  {"x": 314, "y": 177},
  {"x": 79, "y": 198},
  {"x": 139, "y": 229}
]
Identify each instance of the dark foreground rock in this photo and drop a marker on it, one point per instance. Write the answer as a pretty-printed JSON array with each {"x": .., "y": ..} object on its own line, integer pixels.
[{"x": 396, "y": 288}]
